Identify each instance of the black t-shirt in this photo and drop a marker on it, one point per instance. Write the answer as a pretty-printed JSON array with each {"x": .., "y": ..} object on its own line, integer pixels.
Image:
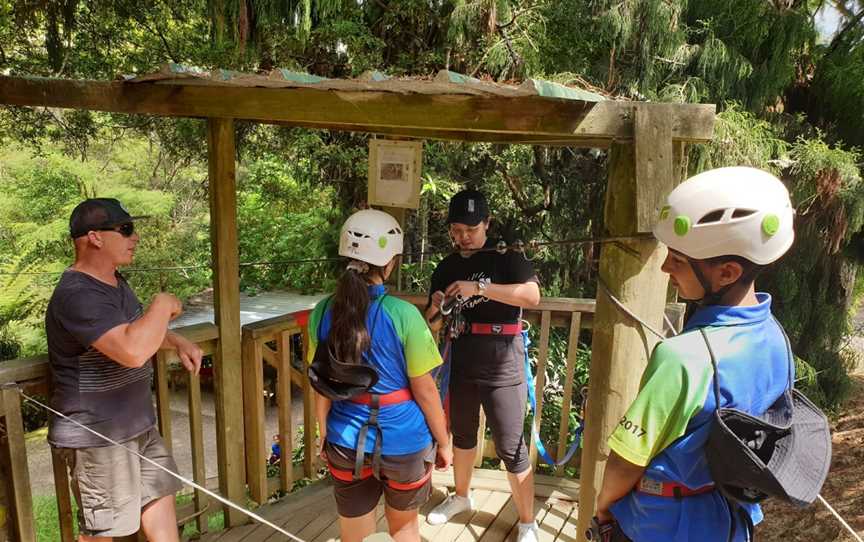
[
  {"x": 492, "y": 360},
  {"x": 89, "y": 387}
]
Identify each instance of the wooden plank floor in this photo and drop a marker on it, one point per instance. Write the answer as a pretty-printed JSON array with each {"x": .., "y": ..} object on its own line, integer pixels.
[{"x": 310, "y": 513}]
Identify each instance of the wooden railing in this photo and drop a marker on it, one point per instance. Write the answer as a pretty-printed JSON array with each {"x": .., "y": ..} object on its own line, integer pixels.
[{"x": 276, "y": 341}]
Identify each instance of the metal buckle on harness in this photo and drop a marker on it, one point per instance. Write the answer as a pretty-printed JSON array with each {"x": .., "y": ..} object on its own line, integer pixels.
[{"x": 652, "y": 487}]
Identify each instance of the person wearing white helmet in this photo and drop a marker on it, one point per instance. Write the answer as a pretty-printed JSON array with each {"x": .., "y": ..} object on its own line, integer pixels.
[
  {"x": 721, "y": 227},
  {"x": 378, "y": 434}
]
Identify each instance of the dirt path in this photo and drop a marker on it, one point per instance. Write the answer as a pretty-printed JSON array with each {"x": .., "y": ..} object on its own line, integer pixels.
[{"x": 844, "y": 488}]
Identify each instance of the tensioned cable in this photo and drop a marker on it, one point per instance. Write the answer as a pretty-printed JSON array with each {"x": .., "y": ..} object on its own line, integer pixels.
[
  {"x": 620, "y": 305},
  {"x": 186, "y": 481},
  {"x": 519, "y": 247}
]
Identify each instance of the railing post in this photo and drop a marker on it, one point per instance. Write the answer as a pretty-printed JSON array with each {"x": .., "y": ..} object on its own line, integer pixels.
[
  {"x": 253, "y": 417},
  {"x": 283, "y": 397},
  {"x": 196, "y": 437},
  {"x": 566, "y": 403},
  {"x": 540, "y": 384},
  {"x": 64, "y": 497},
  {"x": 163, "y": 398},
  {"x": 19, "y": 476}
]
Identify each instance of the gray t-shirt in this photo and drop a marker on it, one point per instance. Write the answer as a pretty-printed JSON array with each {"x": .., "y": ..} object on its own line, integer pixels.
[{"x": 89, "y": 387}]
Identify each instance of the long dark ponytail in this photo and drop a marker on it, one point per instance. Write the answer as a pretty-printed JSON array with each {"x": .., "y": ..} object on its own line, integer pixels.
[{"x": 349, "y": 337}]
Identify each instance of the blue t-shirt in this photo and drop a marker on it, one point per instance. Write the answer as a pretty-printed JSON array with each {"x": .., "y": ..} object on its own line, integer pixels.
[
  {"x": 667, "y": 425},
  {"x": 402, "y": 348}
]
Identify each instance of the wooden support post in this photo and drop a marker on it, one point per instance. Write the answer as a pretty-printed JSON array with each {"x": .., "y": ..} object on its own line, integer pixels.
[
  {"x": 226, "y": 300},
  {"x": 283, "y": 396},
  {"x": 196, "y": 439},
  {"x": 64, "y": 497},
  {"x": 253, "y": 418},
  {"x": 22, "y": 503},
  {"x": 655, "y": 176},
  {"x": 620, "y": 347},
  {"x": 566, "y": 403},
  {"x": 540, "y": 380},
  {"x": 163, "y": 398}
]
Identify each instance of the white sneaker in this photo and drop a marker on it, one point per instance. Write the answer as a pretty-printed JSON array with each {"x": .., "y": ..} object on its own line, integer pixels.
[
  {"x": 527, "y": 532},
  {"x": 452, "y": 505}
]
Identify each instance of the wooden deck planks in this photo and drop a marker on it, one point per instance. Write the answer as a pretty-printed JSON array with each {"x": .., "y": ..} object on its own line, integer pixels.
[{"x": 311, "y": 514}]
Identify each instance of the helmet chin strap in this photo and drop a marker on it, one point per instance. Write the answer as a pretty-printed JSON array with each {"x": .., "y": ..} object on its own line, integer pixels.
[{"x": 710, "y": 297}]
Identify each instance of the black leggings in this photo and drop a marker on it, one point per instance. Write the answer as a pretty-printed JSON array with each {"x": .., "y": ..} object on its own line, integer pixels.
[{"x": 505, "y": 414}]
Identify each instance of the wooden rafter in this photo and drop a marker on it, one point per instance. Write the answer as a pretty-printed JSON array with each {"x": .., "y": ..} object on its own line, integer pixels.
[{"x": 522, "y": 119}]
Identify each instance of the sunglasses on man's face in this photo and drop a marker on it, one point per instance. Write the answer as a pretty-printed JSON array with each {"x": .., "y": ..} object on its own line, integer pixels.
[{"x": 126, "y": 230}]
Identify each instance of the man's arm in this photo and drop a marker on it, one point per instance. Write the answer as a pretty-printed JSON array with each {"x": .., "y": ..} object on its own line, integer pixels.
[
  {"x": 619, "y": 479},
  {"x": 131, "y": 345}
]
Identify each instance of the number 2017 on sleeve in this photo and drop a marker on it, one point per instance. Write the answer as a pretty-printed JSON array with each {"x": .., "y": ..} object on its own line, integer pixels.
[{"x": 632, "y": 427}]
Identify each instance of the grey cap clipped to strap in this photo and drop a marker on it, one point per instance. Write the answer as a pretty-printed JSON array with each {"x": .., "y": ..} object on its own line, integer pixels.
[{"x": 784, "y": 453}]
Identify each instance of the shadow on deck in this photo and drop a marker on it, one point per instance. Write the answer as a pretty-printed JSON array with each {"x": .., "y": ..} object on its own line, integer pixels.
[{"x": 310, "y": 513}]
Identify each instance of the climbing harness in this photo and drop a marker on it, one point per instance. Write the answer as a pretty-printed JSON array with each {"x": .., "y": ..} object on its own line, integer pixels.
[
  {"x": 182, "y": 479},
  {"x": 456, "y": 325}
]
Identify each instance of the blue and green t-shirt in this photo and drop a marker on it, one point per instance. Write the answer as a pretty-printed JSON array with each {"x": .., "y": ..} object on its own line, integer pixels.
[
  {"x": 667, "y": 425},
  {"x": 402, "y": 348}
]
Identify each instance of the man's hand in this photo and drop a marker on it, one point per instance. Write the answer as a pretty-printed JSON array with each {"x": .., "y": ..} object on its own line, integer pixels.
[
  {"x": 465, "y": 288},
  {"x": 174, "y": 304},
  {"x": 188, "y": 352}
]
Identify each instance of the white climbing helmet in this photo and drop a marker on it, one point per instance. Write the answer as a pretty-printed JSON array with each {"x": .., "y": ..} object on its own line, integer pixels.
[
  {"x": 371, "y": 236},
  {"x": 741, "y": 211}
]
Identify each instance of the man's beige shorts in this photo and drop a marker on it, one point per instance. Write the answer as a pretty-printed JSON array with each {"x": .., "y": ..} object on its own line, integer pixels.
[{"x": 112, "y": 486}]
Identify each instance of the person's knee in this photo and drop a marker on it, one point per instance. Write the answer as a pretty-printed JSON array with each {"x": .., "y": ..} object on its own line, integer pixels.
[
  {"x": 466, "y": 441},
  {"x": 514, "y": 456}
]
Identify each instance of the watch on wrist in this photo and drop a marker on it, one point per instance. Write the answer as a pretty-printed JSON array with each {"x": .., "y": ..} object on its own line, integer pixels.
[{"x": 481, "y": 286}]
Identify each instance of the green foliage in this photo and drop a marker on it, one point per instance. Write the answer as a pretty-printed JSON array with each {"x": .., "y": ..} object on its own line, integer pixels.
[{"x": 787, "y": 104}]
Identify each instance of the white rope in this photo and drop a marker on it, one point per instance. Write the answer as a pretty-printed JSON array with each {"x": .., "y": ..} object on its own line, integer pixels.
[
  {"x": 839, "y": 518},
  {"x": 621, "y": 306},
  {"x": 186, "y": 481}
]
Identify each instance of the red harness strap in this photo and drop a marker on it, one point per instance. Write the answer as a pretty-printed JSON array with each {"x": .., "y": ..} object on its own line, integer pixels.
[
  {"x": 348, "y": 476},
  {"x": 384, "y": 399},
  {"x": 669, "y": 489},
  {"x": 496, "y": 329}
]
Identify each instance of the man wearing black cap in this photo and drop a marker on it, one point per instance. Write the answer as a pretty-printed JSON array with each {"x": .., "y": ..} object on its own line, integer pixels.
[
  {"x": 488, "y": 359},
  {"x": 100, "y": 341}
]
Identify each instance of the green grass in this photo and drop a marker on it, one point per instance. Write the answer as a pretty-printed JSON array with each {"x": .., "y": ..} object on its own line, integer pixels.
[{"x": 45, "y": 516}]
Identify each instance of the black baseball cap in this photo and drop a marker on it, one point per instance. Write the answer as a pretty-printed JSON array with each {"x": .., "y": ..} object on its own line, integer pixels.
[
  {"x": 98, "y": 213},
  {"x": 468, "y": 207}
]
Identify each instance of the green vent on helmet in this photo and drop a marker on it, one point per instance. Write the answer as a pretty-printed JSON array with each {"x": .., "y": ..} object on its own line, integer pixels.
[
  {"x": 664, "y": 212},
  {"x": 771, "y": 224},
  {"x": 682, "y": 225},
  {"x": 382, "y": 241}
]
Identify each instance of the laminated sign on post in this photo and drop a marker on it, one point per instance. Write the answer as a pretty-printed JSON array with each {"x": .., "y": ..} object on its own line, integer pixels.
[{"x": 394, "y": 173}]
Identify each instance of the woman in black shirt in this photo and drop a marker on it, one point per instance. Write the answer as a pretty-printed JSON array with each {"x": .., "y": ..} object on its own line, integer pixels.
[{"x": 488, "y": 359}]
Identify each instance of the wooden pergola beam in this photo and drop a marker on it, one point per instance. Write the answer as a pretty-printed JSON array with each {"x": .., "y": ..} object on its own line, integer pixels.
[{"x": 529, "y": 119}]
